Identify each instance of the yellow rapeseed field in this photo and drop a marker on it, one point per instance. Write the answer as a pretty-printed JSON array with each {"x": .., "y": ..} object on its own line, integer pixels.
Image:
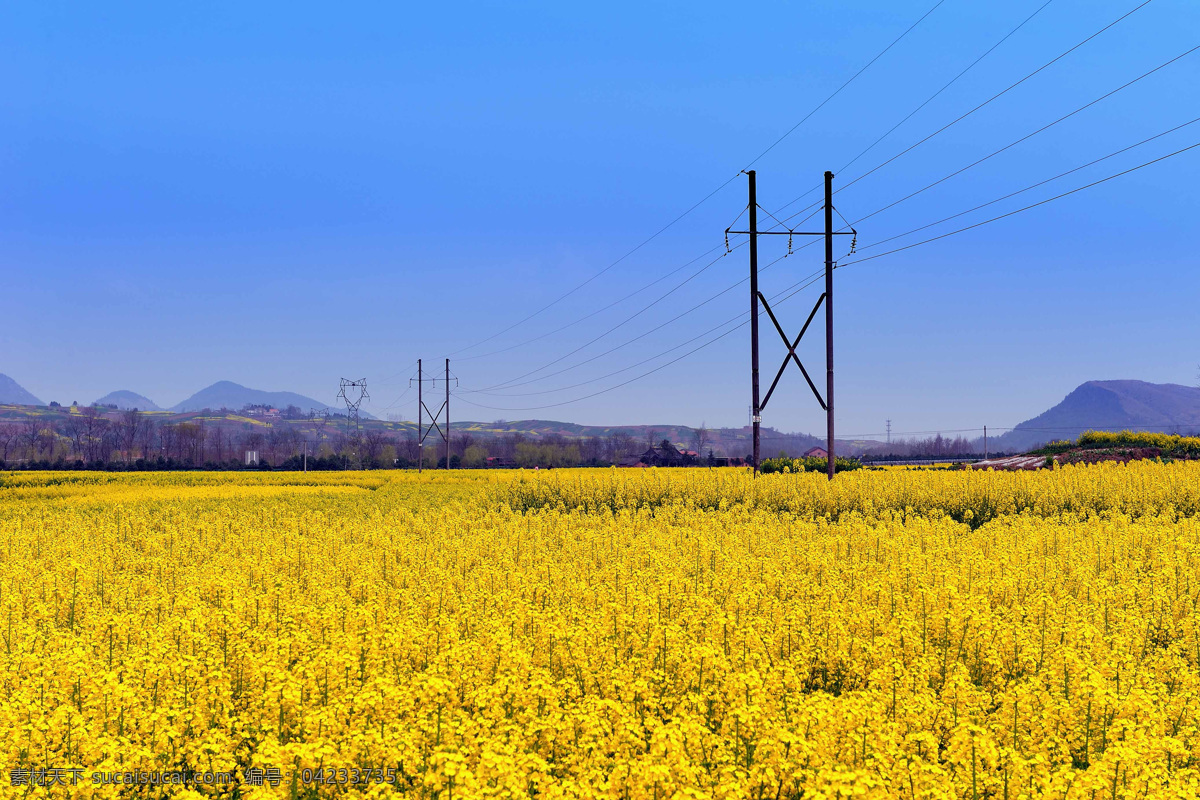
[{"x": 602, "y": 633}]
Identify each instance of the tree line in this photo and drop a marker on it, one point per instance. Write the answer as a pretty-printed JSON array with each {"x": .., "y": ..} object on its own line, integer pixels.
[{"x": 100, "y": 438}]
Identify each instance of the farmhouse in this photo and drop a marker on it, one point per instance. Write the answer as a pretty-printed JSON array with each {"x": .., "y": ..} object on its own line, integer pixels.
[{"x": 816, "y": 452}]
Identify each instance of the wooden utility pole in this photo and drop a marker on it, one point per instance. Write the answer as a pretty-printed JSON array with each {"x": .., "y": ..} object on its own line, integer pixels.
[
  {"x": 420, "y": 420},
  {"x": 447, "y": 413},
  {"x": 755, "y": 409},
  {"x": 829, "y": 318}
]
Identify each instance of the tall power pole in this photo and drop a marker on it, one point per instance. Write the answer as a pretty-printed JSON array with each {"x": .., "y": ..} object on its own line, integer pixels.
[
  {"x": 447, "y": 413},
  {"x": 420, "y": 421},
  {"x": 434, "y": 416},
  {"x": 829, "y": 317},
  {"x": 354, "y": 393},
  {"x": 756, "y": 409},
  {"x": 889, "y": 431},
  {"x": 757, "y": 297}
]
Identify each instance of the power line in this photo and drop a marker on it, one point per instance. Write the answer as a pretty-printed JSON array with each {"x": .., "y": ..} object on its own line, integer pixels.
[
  {"x": 1025, "y": 208},
  {"x": 1033, "y": 186},
  {"x": 625, "y": 344},
  {"x": 517, "y": 382},
  {"x": 928, "y": 100},
  {"x": 623, "y": 322},
  {"x": 644, "y": 374},
  {"x": 991, "y": 99},
  {"x": 512, "y": 383},
  {"x": 813, "y": 279},
  {"x": 844, "y": 85},
  {"x": 1027, "y": 136},
  {"x": 564, "y": 296},
  {"x": 707, "y": 197},
  {"x": 574, "y": 322}
]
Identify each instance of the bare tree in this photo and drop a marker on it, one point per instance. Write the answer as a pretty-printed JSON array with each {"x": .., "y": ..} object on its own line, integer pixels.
[
  {"x": 275, "y": 442},
  {"x": 128, "y": 425},
  {"x": 8, "y": 437},
  {"x": 216, "y": 437},
  {"x": 700, "y": 437},
  {"x": 372, "y": 445},
  {"x": 76, "y": 429},
  {"x": 252, "y": 439},
  {"x": 94, "y": 427},
  {"x": 31, "y": 437},
  {"x": 145, "y": 437},
  {"x": 190, "y": 438}
]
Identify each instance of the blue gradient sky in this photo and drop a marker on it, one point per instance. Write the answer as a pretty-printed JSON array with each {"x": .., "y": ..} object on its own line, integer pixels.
[{"x": 282, "y": 195}]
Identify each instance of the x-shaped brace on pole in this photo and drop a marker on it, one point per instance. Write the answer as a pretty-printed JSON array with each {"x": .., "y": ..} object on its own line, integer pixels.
[
  {"x": 433, "y": 422},
  {"x": 791, "y": 353}
]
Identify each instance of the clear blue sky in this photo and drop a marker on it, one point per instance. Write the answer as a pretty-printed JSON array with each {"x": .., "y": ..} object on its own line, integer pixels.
[{"x": 285, "y": 194}]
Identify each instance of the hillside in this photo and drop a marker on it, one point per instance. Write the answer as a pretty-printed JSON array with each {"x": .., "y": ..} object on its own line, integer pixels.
[
  {"x": 1110, "y": 405},
  {"x": 14, "y": 393},
  {"x": 227, "y": 394},
  {"x": 125, "y": 399}
]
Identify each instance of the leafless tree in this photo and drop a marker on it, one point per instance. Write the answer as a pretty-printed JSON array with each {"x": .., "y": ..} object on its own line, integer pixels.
[
  {"x": 293, "y": 441},
  {"x": 76, "y": 430},
  {"x": 252, "y": 440},
  {"x": 128, "y": 425},
  {"x": 31, "y": 436},
  {"x": 700, "y": 437},
  {"x": 621, "y": 445},
  {"x": 276, "y": 440},
  {"x": 94, "y": 428},
  {"x": 372, "y": 445},
  {"x": 216, "y": 438},
  {"x": 145, "y": 437},
  {"x": 190, "y": 441},
  {"x": 407, "y": 446},
  {"x": 8, "y": 437}
]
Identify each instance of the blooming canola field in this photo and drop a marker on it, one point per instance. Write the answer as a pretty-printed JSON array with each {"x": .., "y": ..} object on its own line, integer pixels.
[{"x": 603, "y": 633}]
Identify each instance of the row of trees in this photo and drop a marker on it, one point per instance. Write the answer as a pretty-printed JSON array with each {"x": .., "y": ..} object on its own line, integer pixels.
[
  {"x": 933, "y": 447},
  {"x": 94, "y": 436}
]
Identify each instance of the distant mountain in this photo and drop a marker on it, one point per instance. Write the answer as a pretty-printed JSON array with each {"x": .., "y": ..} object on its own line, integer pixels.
[
  {"x": 16, "y": 394},
  {"x": 227, "y": 394},
  {"x": 124, "y": 399},
  {"x": 1110, "y": 405}
]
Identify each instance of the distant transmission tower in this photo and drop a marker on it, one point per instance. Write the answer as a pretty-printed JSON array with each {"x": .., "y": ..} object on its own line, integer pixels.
[
  {"x": 889, "y": 431},
  {"x": 353, "y": 393}
]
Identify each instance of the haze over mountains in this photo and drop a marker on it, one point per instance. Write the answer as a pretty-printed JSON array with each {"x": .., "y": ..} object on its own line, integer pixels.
[
  {"x": 1101, "y": 405},
  {"x": 13, "y": 392},
  {"x": 125, "y": 399},
  {"x": 227, "y": 394},
  {"x": 222, "y": 394},
  {"x": 1110, "y": 405}
]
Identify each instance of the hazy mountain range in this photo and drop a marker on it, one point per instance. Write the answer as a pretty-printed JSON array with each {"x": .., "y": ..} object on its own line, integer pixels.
[
  {"x": 1106, "y": 405},
  {"x": 15, "y": 393},
  {"x": 124, "y": 399},
  {"x": 227, "y": 394},
  {"x": 1110, "y": 405},
  {"x": 222, "y": 394}
]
